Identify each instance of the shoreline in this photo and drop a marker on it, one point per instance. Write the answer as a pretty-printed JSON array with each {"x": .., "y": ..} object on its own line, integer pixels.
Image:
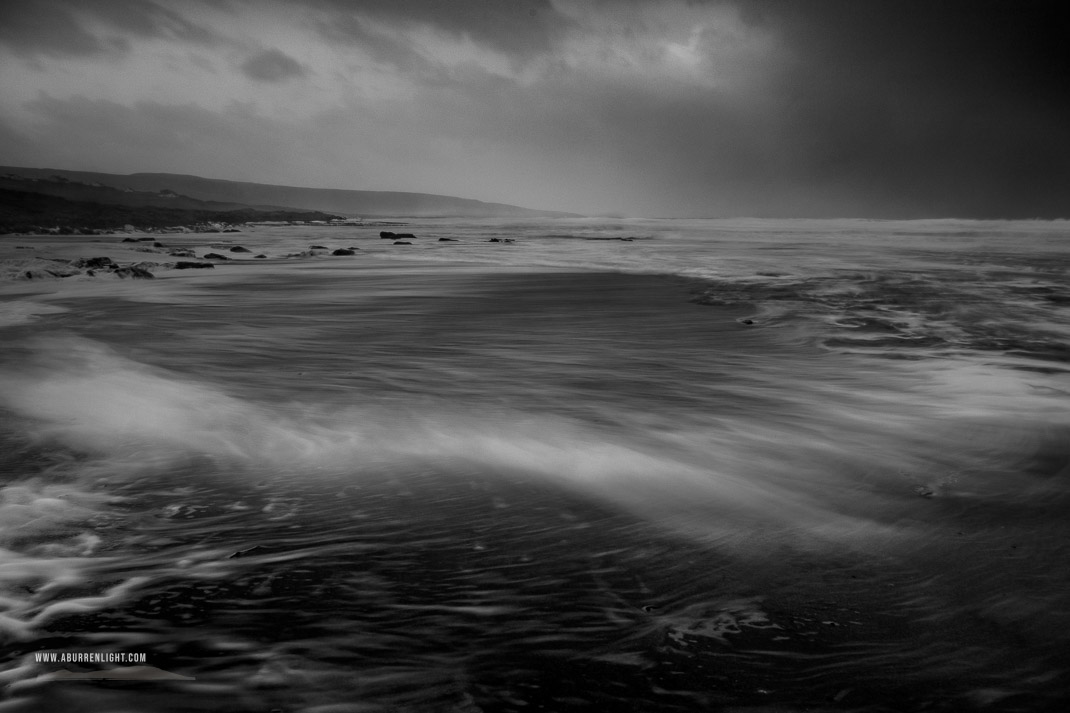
[{"x": 132, "y": 254}]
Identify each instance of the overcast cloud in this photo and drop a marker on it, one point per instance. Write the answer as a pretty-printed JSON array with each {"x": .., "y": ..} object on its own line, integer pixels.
[{"x": 766, "y": 108}]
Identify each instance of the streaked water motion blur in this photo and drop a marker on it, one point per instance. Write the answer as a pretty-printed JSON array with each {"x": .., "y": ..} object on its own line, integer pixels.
[{"x": 635, "y": 465}]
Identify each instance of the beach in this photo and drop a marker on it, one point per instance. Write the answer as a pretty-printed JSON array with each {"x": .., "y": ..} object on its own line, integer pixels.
[{"x": 612, "y": 465}]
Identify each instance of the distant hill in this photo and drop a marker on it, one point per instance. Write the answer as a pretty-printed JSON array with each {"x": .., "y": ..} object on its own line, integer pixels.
[
  {"x": 63, "y": 187},
  {"x": 28, "y": 212},
  {"x": 333, "y": 200}
]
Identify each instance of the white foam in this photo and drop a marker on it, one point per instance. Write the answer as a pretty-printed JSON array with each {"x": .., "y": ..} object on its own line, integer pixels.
[
  {"x": 811, "y": 466},
  {"x": 21, "y": 311}
]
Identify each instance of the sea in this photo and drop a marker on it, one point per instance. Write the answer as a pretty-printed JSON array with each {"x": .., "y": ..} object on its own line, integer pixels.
[{"x": 551, "y": 465}]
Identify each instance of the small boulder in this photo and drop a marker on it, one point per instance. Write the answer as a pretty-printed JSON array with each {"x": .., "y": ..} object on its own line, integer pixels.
[
  {"x": 386, "y": 235},
  {"x": 215, "y": 256},
  {"x": 92, "y": 262},
  {"x": 231, "y": 230},
  {"x": 405, "y": 235},
  {"x": 146, "y": 240},
  {"x": 133, "y": 272},
  {"x": 402, "y": 242},
  {"x": 129, "y": 240},
  {"x": 447, "y": 240},
  {"x": 343, "y": 251},
  {"x": 240, "y": 249},
  {"x": 182, "y": 252},
  {"x": 318, "y": 247},
  {"x": 261, "y": 256},
  {"x": 181, "y": 265}
]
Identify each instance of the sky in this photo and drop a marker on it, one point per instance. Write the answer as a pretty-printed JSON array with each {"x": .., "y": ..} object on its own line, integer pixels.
[{"x": 726, "y": 108}]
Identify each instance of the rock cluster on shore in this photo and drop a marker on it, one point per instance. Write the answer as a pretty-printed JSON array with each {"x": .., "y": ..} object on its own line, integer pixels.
[{"x": 58, "y": 268}]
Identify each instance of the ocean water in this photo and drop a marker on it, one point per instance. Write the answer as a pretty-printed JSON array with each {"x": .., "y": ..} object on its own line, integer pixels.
[{"x": 613, "y": 465}]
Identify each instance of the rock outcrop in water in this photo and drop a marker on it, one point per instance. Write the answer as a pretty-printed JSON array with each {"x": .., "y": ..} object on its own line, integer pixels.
[
  {"x": 133, "y": 271},
  {"x": 93, "y": 263},
  {"x": 183, "y": 265},
  {"x": 344, "y": 251},
  {"x": 215, "y": 256}
]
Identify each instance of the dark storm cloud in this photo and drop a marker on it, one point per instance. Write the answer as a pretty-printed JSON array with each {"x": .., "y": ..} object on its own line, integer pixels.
[
  {"x": 934, "y": 108},
  {"x": 272, "y": 66},
  {"x": 878, "y": 108},
  {"x": 62, "y": 27},
  {"x": 884, "y": 108}
]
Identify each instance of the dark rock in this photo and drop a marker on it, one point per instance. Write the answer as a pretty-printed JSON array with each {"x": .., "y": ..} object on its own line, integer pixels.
[
  {"x": 158, "y": 245},
  {"x": 746, "y": 321},
  {"x": 146, "y": 240},
  {"x": 240, "y": 249},
  {"x": 343, "y": 251},
  {"x": 44, "y": 274},
  {"x": 215, "y": 256},
  {"x": 405, "y": 235},
  {"x": 182, "y": 252},
  {"x": 494, "y": 240},
  {"x": 386, "y": 235},
  {"x": 447, "y": 240},
  {"x": 92, "y": 262},
  {"x": 318, "y": 247},
  {"x": 402, "y": 242},
  {"x": 129, "y": 240},
  {"x": 231, "y": 230},
  {"x": 133, "y": 272},
  {"x": 181, "y": 265},
  {"x": 260, "y": 256}
]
